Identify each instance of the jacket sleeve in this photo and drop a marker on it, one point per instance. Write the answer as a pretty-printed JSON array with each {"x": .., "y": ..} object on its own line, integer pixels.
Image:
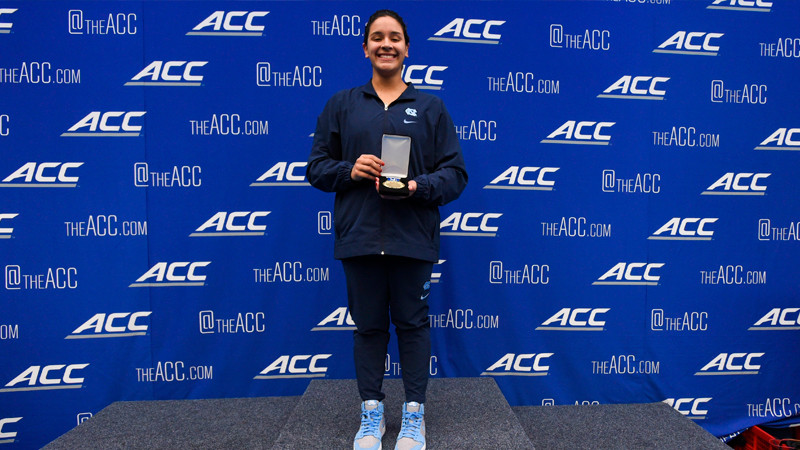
[
  {"x": 449, "y": 177},
  {"x": 326, "y": 170}
]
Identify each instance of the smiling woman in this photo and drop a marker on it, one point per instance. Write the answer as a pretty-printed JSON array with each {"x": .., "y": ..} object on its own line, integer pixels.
[
  {"x": 388, "y": 243},
  {"x": 386, "y": 46}
]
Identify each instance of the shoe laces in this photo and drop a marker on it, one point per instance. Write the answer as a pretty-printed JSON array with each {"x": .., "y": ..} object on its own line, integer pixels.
[
  {"x": 412, "y": 422},
  {"x": 370, "y": 423}
]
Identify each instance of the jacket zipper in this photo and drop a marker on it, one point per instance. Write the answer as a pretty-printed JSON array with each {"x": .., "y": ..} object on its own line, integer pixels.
[{"x": 385, "y": 119}]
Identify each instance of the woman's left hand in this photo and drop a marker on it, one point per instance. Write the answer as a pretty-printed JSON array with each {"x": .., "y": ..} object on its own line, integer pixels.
[{"x": 412, "y": 188}]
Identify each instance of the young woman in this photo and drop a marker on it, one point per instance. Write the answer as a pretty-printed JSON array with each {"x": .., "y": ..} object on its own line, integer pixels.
[{"x": 387, "y": 244}]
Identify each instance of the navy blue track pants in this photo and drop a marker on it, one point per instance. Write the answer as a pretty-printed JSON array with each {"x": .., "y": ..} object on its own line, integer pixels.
[{"x": 380, "y": 289}]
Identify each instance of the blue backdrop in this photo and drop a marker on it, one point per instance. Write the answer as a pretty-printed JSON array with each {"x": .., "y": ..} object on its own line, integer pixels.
[{"x": 629, "y": 233}]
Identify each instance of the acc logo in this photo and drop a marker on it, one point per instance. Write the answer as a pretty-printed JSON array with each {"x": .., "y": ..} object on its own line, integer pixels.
[
  {"x": 469, "y": 224},
  {"x": 5, "y": 233},
  {"x": 524, "y": 364},
  {"x": 229, "y": 23},
  {"x": 172, "y": 274},
  {"x": 161, "y": 73},
  {"x": 521, "y": 178},
  {"x": 227, "y": 227},
  {"x": 629, "y": 274},
  {"x": 111, "y": 123},
  {"x": 8, "y": 434},
  {"x": 426, "y": 81},
  {"x": 100, "y": 322},
  {"x": 5, "y": 27},
  {"x": 283, "y": 170},
  {"x": 297, "y": 366},
  {"x": 690, "y": 43},
  {"x": 741, "y": 5},
  {"x": 731, "y": 184},
  {"x": 783, "y": 139},
  {"x": 636, "y": 88},
  {"x": 38, "y": 378},
  {"x": 732, "y": 364},
  {"x": 568, "y": 319},
  {"x": 779, "y": 319},
  {"x": 685, "y": 229},
  {"x": 463, "y": 31},
  {"x": 339, "y": 319},
  {"x": 437, "y": 276},
  {"x": 46, "y": 174},
  {"x": 583, "y": 132},
  {"x": 692, "y": 406}
]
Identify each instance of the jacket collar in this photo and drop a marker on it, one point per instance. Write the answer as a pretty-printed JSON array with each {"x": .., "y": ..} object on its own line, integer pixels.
[{"x": 409, "y": 94}]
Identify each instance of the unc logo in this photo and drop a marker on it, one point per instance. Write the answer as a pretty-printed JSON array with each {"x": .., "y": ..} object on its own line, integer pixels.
[{"x": 411, "y": 112}]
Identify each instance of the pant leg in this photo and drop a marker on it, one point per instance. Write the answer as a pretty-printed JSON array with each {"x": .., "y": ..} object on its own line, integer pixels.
[
  {"x": 409, "y": 287},
  {"x": 368, "y": 301}
]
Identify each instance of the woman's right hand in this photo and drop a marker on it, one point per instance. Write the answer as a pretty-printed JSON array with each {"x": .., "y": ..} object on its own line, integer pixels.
[{"x": 367, "y": 167}]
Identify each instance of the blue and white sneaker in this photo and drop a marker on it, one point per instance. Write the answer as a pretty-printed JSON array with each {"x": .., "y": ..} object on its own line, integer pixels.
[
  {"x": 372, "y": 426},
  {"x": 412, "y": 431}
]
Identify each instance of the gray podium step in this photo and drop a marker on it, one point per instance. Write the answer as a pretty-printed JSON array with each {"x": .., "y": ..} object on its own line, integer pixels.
[
  {"x": 625, "y": 426},
  {"x": 461, "y": 413},
  {"x": 231, "y": 423}
]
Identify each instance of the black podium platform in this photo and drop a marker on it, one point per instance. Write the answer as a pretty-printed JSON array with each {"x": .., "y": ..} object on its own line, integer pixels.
[{"x": 462, "y": 413}]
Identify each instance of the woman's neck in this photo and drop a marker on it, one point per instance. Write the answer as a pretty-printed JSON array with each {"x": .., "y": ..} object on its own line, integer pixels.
[{"x": 388, "y": 89}]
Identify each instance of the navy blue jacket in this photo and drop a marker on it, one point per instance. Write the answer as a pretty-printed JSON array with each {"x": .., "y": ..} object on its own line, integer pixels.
[{"x": 353, "y": 123}]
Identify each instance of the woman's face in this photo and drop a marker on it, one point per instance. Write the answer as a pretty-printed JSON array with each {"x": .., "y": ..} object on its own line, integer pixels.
[{"x": 386, "y": 46}]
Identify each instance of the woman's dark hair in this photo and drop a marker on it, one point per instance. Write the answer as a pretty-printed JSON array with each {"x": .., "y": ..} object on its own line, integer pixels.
[{"x": 383, "y": 13}]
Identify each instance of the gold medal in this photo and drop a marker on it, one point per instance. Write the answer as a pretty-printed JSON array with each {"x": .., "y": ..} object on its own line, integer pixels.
[{"x": 393, "y": 184}]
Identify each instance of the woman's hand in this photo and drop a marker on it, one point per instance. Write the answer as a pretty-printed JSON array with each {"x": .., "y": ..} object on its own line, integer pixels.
[
  {"x": 367, "y": 167},
  {"x": 412, "y": 187}
]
